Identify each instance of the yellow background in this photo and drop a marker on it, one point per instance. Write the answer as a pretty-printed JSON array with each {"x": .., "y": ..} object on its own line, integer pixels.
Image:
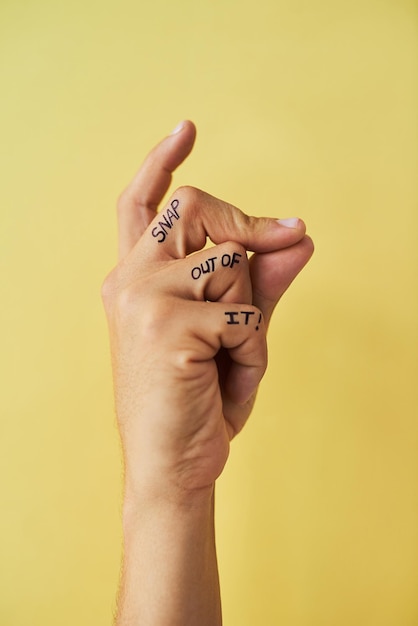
[{"x": 303, "y": 107}]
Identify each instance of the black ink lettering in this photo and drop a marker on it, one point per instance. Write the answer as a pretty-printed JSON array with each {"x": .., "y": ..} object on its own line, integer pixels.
[
  {"x": 158, "y": 233},
  {"x": 259, "y": 320},
  {"x": 234, "y": 259},
  {"x": 170, "y": 216},
  {"x": 166, "y": 222},
  {"x": 247, "y": 316},
  {"x": 200, "y": 269},
  {"x": 226, "y": 260},
  {"x": 229, "y": 261},
  {"x": 212, "y": 263},
  {"x": 232, "y": 315},
  {"x": 207, "y": 270},
  {"x": 174, "y": 205}
]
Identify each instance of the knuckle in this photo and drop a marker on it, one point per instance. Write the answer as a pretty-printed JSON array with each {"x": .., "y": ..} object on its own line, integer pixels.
[
  {"x": 182, "y": 360},
  {"x": 136, "y": 305},
  {"x": 117, "y": 297},
  {"x": 188, "y": 194},
  {"x": 125, "y": 302},
  {"x": 151, "y": 309},
  {"x": 242, "y": 223},
  {"x": 153, "y": 316},
  {"x": 249, "y": 222},
  {"x": 232, "y": 247}
]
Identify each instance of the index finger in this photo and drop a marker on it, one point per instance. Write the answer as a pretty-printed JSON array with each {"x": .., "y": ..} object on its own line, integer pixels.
[
  {"x": 191, "y": 215},
  {"x": 138, "y": 204}
]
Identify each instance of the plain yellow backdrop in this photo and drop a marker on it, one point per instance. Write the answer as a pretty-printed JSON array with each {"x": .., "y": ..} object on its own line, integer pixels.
[{"x": 303, "y": 107}]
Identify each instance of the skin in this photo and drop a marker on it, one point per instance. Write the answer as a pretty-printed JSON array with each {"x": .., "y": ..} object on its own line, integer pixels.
[{"x": 185, "y": 379}]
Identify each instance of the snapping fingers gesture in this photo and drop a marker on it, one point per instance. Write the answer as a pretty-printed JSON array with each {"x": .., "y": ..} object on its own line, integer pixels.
[{"x": 188, "y": 323}]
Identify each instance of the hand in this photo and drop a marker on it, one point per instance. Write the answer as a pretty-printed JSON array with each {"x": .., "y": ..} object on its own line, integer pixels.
[{"x": 187, "y": 324}]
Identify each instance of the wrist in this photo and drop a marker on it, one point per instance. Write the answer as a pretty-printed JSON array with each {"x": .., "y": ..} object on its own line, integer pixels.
[{"x": 155, "y": 500}]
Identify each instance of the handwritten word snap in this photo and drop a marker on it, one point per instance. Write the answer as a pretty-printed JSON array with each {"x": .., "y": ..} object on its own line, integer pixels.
[
  {"x": 235, "y": 319},
  {"x": 227, "y": 260},
  {"x": 166, "y": 222}
]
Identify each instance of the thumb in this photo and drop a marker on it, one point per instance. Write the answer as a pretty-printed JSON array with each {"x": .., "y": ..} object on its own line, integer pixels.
[{"x": 273, "y": 272}]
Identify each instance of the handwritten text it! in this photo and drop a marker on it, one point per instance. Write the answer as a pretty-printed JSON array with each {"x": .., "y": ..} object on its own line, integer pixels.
[{"x": 234, "y": 317}]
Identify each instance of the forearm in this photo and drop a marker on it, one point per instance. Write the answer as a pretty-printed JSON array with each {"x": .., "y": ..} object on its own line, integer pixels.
[{"x": 170, "y": 575}]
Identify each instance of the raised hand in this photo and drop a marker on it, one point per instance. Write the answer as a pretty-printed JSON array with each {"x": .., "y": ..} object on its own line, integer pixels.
[{"x": 187, "y": 329}]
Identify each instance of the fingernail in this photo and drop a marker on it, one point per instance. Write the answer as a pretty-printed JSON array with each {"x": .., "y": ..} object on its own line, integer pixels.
[
  {"x": 178, "y": 128},
  {"x": 289, "y": 222}
]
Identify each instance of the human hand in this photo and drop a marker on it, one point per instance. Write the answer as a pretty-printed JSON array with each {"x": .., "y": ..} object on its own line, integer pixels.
[{"x": 188, "y": 325}]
